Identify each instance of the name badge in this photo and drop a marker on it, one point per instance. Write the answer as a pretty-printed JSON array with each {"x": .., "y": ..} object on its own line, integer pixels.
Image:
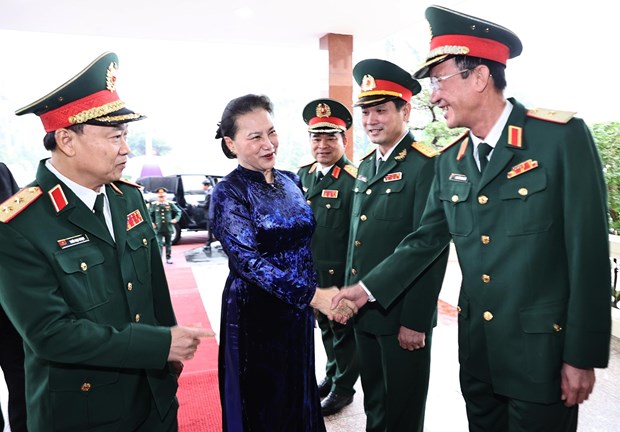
[
  {"x": 73, "y": 241},
  {"x": 461, "y": 178}
]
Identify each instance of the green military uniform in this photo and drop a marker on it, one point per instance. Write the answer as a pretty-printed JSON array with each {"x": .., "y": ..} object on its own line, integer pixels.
[
  {"x": 387, "y": 206},
  {"x": 162, "y": 214},
  {"x": 91, "y": 303},
  {"x": 533, "y": 252},
  {"x": 531, "y": 237},
  {"x": 96, "y": 354},
  {"x": 330, "y": 199}
]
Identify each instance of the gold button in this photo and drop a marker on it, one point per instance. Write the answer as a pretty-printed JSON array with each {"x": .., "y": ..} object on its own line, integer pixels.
[
  {"x": 368, "y": 191},
  {"x": 83, "y": 266},
  {"x": 488, "y": 316},
  {"x": 137, "y": 317},
  {"x": 388, "y": 190},
  {"x": 363, "y": 218},
  {"x": 557, "y": 328},
  {"x": 129, "y": 286},
  {"x": 357, "y": 243},
  {"x": 85, "y": 387},
  {"x": 356, "y": 189},
  {"x": 483, "y": 199},
  {"x": 328, "y": 206},
  {"x": 455, "y": 198},
  {"x": 458, "y": 309},
  {"x": 485, "y": 239},
  {"x": 523, "y": 191},
  {"x": 145, "y": 241},
  {"x": 486, "y": 278},
  {"x": 353, "y": 271},
  {"x": 331, "y": 271},
  {"x": 308, "y": 202}
]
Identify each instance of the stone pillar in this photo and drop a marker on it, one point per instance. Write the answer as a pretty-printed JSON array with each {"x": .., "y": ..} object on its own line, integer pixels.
[{"x": 340, "y": 51}]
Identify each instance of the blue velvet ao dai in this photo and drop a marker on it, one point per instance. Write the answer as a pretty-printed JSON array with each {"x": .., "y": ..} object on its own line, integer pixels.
[{"x": 266, "y": 358}]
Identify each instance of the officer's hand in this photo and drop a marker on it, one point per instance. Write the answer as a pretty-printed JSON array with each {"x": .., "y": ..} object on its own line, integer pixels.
[
  {"x": 577, "y": 384},
  {"x": 354, "y": 293},
  {"x": 173, "y": 221},
  {"x": 410, "y": 339},
  {"x": 185, "y": 341},
  {"x": 322, "y": 301}
]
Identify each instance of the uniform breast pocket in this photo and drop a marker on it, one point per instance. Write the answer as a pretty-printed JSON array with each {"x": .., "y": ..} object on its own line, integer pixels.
[
  {"x": 390, "y": 201},
  {"x": 454, "y": 196},
  {"x": 95, "y": 398},
  {"x": 527, "y": 208},
  {"x": 84, "y": 282},
  {"x": 139, "y": 244},
  {"x": 328, "y": 213}
]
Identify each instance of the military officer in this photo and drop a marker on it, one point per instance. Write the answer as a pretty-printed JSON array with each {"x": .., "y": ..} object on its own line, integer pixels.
[
  {"x": 164, "y": 214},
  {"x": 86, "y": 289},
  {"x": 522, "y": 195},
  {"x": 389, "y": 196},
  {"x": 328, "y": 187}
]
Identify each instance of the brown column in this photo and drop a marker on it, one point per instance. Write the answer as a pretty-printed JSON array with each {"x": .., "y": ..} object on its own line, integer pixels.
[{"x": 340, "y": 49}]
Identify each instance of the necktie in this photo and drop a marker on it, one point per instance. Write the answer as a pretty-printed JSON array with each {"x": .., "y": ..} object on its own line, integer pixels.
[
  {"x": 379, "y": 163},
  {"x": 98, "y": 208},
  {"x": 483, "y": 151},
  {"x": 318, "y": 177}
]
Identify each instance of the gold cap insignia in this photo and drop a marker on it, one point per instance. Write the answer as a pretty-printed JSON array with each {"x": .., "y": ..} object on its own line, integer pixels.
[
  {"x": 323, "y": 110},
  {"x": 110, "y": 79},
  {"x": 368, "y": 83}
]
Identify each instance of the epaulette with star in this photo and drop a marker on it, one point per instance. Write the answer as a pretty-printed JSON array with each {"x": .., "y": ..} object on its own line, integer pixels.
[
  {"x": 127, "y": 182},
  {"x": 18, "y": 202},
  {"x": 351, "y": 170},
  {"x": 426, "y": 149},
  {"x": 549, "y": 115},
  {"x": 369, "y": 154},
  {"x": 457, "y": 139},
  {"x": 307, "y": 165}
]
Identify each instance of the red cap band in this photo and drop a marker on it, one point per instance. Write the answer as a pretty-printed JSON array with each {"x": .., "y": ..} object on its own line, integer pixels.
[
  {"x": 478, "y": 47},
  {"x": 390, "y": 88},
  {"x": 334, "y": 120},
  {"x": 92, "y": 106}
]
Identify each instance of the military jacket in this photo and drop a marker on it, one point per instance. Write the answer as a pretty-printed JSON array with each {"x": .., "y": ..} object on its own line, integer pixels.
[
  {"x": 386, "y": 207},
  {"x": 94, "y": 313},
  {"x": 330, "y": 200},
  {"x": 532, "y": 241},
  {"x": 162, "y": 214}
]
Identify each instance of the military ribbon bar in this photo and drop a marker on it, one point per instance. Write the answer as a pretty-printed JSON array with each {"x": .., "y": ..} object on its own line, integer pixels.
[
  {"x": 134, "y": 218},
  {"x": 522, "y": 168}
]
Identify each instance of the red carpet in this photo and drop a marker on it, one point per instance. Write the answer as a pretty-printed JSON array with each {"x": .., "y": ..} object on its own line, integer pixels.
[{"x": 198, "y": 394}]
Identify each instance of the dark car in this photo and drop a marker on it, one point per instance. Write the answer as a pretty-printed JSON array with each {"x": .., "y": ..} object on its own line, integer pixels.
[{"x": 186, "y": 190}]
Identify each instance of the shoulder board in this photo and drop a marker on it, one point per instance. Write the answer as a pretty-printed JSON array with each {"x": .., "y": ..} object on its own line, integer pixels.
[
  {"x": 425, "y": 149},
  {"x": 457, "y": 139},
  {"x": 351, "y": 170},
  {"x": 369, "y": 154},
  {"x": 127, "y": 182},
  {"x": 554, "y": 116},
  {"x": 306, "y": 165},
  {"x": 18, "y": 202}
]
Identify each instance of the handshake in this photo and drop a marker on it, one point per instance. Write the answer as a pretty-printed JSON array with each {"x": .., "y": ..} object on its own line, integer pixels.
[{"x": 336, "y": 305}]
